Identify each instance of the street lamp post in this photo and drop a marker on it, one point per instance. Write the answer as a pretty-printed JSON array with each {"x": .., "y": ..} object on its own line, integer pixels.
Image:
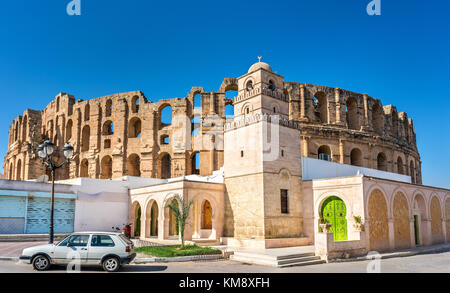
[{"x": 45, "y": 151}]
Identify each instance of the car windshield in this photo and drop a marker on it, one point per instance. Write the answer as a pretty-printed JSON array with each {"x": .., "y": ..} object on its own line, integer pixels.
[{"x": 64, "y": 240}]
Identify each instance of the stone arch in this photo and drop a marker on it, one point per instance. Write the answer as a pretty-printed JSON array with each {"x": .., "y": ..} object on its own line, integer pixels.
[
  {"x": 164, "y": 165},
  {"x": 11, "y": 171},
  {"x": 108, "y": 128},
  {"x": 378, "y": 221},
  {"x": 420, "y": 216},
  {"x": 324, "y": 153},
  {"x": 106, "y": 167},
  {"x": 16, "y": 131},
  {"x": 85, "y": 138},
  {"x": 136, "y": 219},
  {"x": 321, "y": 107},
  {"x": 352, "y": 114},
  {"x": 207, "y": 215},
  {"x": 402, "y": 228},
  {"x": 151, "y": 219},
  {"x": 134, "y": 127},
  {"x": 84, "y": 168},
  {"x": 437, "y": 235},
  {"x": 19, "y": 170},
  {"x": 356, "y": 157},
  {"x": 400, "y": 169},
  {"x": 382, "y": 162},
  {"x": 69, "y": 127},
  {"x": 108, "y": 108},
  {"x": 377, "y": 119},
  {"x": 135, "y": 104},
  {"x": 134, "y": 165},
  {"x": 170, "y": 222},
  {"x": 165, "y": 115},
  {"x": 87, "y": 112}
]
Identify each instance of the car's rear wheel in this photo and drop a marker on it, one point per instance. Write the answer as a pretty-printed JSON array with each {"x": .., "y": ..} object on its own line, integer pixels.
[
  {"x": 111, "y": 264},
  {"x": 41, "y": 263}
]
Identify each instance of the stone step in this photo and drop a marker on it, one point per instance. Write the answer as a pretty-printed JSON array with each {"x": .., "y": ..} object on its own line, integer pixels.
[
  {"x": 206, "y": 242},
  {"x": 283, "y": 261},
  {"x": 272, "y": 257}
]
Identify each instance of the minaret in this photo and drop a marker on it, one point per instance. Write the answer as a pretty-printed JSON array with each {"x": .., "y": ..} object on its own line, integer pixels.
[{"x": 262, "y": 163}]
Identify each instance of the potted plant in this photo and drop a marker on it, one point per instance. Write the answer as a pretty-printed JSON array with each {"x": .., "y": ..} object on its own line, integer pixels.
[
  {"x": 324, "y": 226},
  {"x": 358, "y": 225}
]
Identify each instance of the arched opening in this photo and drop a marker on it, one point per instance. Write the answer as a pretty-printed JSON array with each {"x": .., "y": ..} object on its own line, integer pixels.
[
  {"x": 134, "y": 128},
  {"x": 437, "y": 235},
  {"x": 108, "y": 128},
  {"x": 381, "y": 162},
  {"x": 173, "y": 223},
  {"x": 406, "y": 128},
  {"x": 165, "y": 115},
  {"x": 152, "y": 219},
  {"x": 137, "y": 221},
  {"x": 395, "y": 124},
  {"x": 249, "y": 85},
  {"x": 165, "y": 139},
  {"x": 69, "y": 126},
  {"x": 106, "y": 168},
  {"x": 377, "y": 119},
  {"x": 165, "y": 166},
  {"x": 108, "y": 108},
  {"x": 378, "y": 222},
  {"x": 24, "y": 128},
  {"x": 135, "y": 104},
  {"x": 16, "y": 132},
  {"x": 206, "y": 215},
  {"x": 334, "y": 211},
  {"x": 197, "y": 101},
  {"x": 84, "y": 168},
  {"x": 352, "y": 114},
  {"x": 324, "y": 153},
  {"x": 402, "y": 234},
  {"x": 195, "y": 163},
  {"x": 412, "y": 172},
  {"x": 420, "y": 216},
  {"x": 11, "y": 171},
  {"x": 321, "y": 107},
  {"x": 195, "y": 125},
  {"x": 400, "y": 165},
  {"x": 356, "y": 158},
  {"x": 85, "y": 138},
  {"x": 19, "y": 170},
  {"x": 230, "y": 94},
  {"x": 87, "y": 112},
  {"x": 134, "y": 165}
]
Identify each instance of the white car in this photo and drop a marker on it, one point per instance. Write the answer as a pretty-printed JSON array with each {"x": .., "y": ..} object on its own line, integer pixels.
[{"x": 108, "y": 249}]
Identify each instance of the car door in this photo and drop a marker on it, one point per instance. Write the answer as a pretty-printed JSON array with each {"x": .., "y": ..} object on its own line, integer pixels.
[
  {"x": 99, "y": 246},
  {"x": 73, "y": 247}
]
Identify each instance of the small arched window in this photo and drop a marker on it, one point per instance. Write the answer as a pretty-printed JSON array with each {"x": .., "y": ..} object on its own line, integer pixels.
[
  {"x": 249, "y": 85},
  {"x": 324, "y": 153},
  {"x": 381, "y": 162},
  {"x": 134, "y": 129},
  {"x": 108, "y": 108},
  {"x": 271, "y": 85},
  {"x": 87, "y": 112}
]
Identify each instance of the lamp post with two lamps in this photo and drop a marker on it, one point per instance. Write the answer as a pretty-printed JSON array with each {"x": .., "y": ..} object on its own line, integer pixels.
[{"x": 45, "y": 151}]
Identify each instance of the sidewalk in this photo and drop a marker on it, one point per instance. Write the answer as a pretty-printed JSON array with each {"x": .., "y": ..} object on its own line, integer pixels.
[
  {"x": 402, "y": 253},
  {"x": 12, "y": 250}
]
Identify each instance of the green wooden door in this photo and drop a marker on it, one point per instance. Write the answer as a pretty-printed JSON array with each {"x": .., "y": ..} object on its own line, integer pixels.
[{"x": 334, "y": 211}]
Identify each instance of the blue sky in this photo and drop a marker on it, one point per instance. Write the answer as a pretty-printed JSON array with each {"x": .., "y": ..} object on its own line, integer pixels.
[{"x": 163, "y": 48}]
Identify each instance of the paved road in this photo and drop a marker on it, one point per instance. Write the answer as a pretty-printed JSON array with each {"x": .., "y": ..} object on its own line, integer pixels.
[
  {"x": 425, "y": 263},
  {"x": 14, "y": 249}
]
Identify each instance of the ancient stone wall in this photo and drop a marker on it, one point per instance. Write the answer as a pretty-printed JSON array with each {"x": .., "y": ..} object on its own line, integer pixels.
[{"x": 122, "y": 134}]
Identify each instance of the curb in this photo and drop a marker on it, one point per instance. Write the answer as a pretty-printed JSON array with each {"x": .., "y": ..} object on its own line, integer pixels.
[
  {"x": 393, "y": 255},
  {"x": 178, "y": 258},
  {"x": 7, "y": 258}
]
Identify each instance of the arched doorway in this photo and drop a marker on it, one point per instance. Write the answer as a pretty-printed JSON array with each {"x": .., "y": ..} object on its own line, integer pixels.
[
  {"x": 378, "y": 222},
  {"x": 137, "y": 222},
  {"x": 419, "y": 215},
  {"x": 106, "y": 168},
  {"x": 334, "y": 212},
  {"x": 356, "y": 158},
  {"x": 153, "y": 219},
  {"x": 206, "y": 215},
  {"x": 402, "y": 234},
  {"x": 84, "y": 168},
  {"x": 173, "y": 223}
]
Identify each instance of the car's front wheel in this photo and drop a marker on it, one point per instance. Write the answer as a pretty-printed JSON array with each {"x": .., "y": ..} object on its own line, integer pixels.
[
  {"x": 41, "y": 263},
  {"x": 111, "y": 264}
]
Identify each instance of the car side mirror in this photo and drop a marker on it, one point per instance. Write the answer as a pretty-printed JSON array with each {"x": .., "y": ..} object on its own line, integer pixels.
[{"x": 68, "y": 244}]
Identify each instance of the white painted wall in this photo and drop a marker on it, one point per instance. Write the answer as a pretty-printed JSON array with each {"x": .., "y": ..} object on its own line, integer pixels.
[{"x": 318, "y": 169}]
